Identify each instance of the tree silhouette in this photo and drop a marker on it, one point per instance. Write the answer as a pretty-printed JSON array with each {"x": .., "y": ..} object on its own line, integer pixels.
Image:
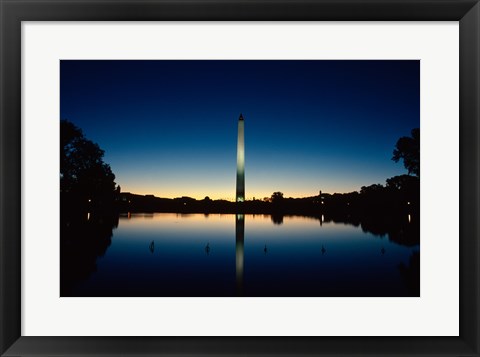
[
  {"x": 83, "y": 174},
  {"x": 372, "y": 189},
  {"x": 405, "y": 189},
  {"x": 408, "y": 149},
  {"x": 402, "y": 182},
  {"x": 277, "y": 197}
]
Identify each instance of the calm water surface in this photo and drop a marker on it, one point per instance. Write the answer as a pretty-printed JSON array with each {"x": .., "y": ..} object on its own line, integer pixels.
[{"x": 165, "y": 254}]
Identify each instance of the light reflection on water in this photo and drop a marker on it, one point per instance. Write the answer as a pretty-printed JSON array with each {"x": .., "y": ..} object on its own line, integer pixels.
[{"x": 166, "y": 254}]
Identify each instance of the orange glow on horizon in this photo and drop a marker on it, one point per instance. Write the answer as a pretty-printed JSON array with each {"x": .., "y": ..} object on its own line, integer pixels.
[
  {"x": 229, "y": 196},
  {"x": 219, "y": 188}
]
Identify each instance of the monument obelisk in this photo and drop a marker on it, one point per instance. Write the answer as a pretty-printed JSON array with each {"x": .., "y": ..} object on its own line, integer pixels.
[{"x": 240, "y": 161}]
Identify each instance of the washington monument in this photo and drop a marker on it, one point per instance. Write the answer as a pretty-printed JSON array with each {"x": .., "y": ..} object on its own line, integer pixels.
[{"x": 240, "y": 161}]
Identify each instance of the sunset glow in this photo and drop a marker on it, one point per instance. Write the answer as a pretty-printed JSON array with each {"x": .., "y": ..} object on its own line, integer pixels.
[{"x": 169, "y": 128}]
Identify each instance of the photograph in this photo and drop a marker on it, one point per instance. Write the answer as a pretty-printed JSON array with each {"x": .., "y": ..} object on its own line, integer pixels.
[{"x": 239, "y": 178}]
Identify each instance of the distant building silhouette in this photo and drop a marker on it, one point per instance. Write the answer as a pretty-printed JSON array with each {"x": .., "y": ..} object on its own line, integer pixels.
[{"x": 125, "y": 196}]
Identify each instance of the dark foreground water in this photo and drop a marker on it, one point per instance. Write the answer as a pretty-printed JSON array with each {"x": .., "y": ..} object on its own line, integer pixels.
[{"x": 195, "y": 255}]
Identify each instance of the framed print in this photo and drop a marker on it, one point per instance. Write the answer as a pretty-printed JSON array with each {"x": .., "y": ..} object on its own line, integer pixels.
[{"x": 239, "y": 178}]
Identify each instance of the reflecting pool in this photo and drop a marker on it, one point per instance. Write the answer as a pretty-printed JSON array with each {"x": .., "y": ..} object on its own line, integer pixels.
[{"x": 195, "y": 255}]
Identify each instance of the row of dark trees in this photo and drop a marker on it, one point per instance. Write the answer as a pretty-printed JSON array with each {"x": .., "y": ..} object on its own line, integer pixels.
[{"x": 399, "y": 194}]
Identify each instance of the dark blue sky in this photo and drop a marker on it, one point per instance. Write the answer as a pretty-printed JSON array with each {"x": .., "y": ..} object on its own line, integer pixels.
[{"x": 169, "y": 128}]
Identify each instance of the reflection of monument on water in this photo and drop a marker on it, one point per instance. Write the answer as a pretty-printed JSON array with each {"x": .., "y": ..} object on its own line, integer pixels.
[{"x": 239, "y": 237}]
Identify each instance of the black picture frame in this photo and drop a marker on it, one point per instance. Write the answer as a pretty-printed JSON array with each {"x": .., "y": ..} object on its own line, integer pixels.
[{"x": 13, "y": 12}]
